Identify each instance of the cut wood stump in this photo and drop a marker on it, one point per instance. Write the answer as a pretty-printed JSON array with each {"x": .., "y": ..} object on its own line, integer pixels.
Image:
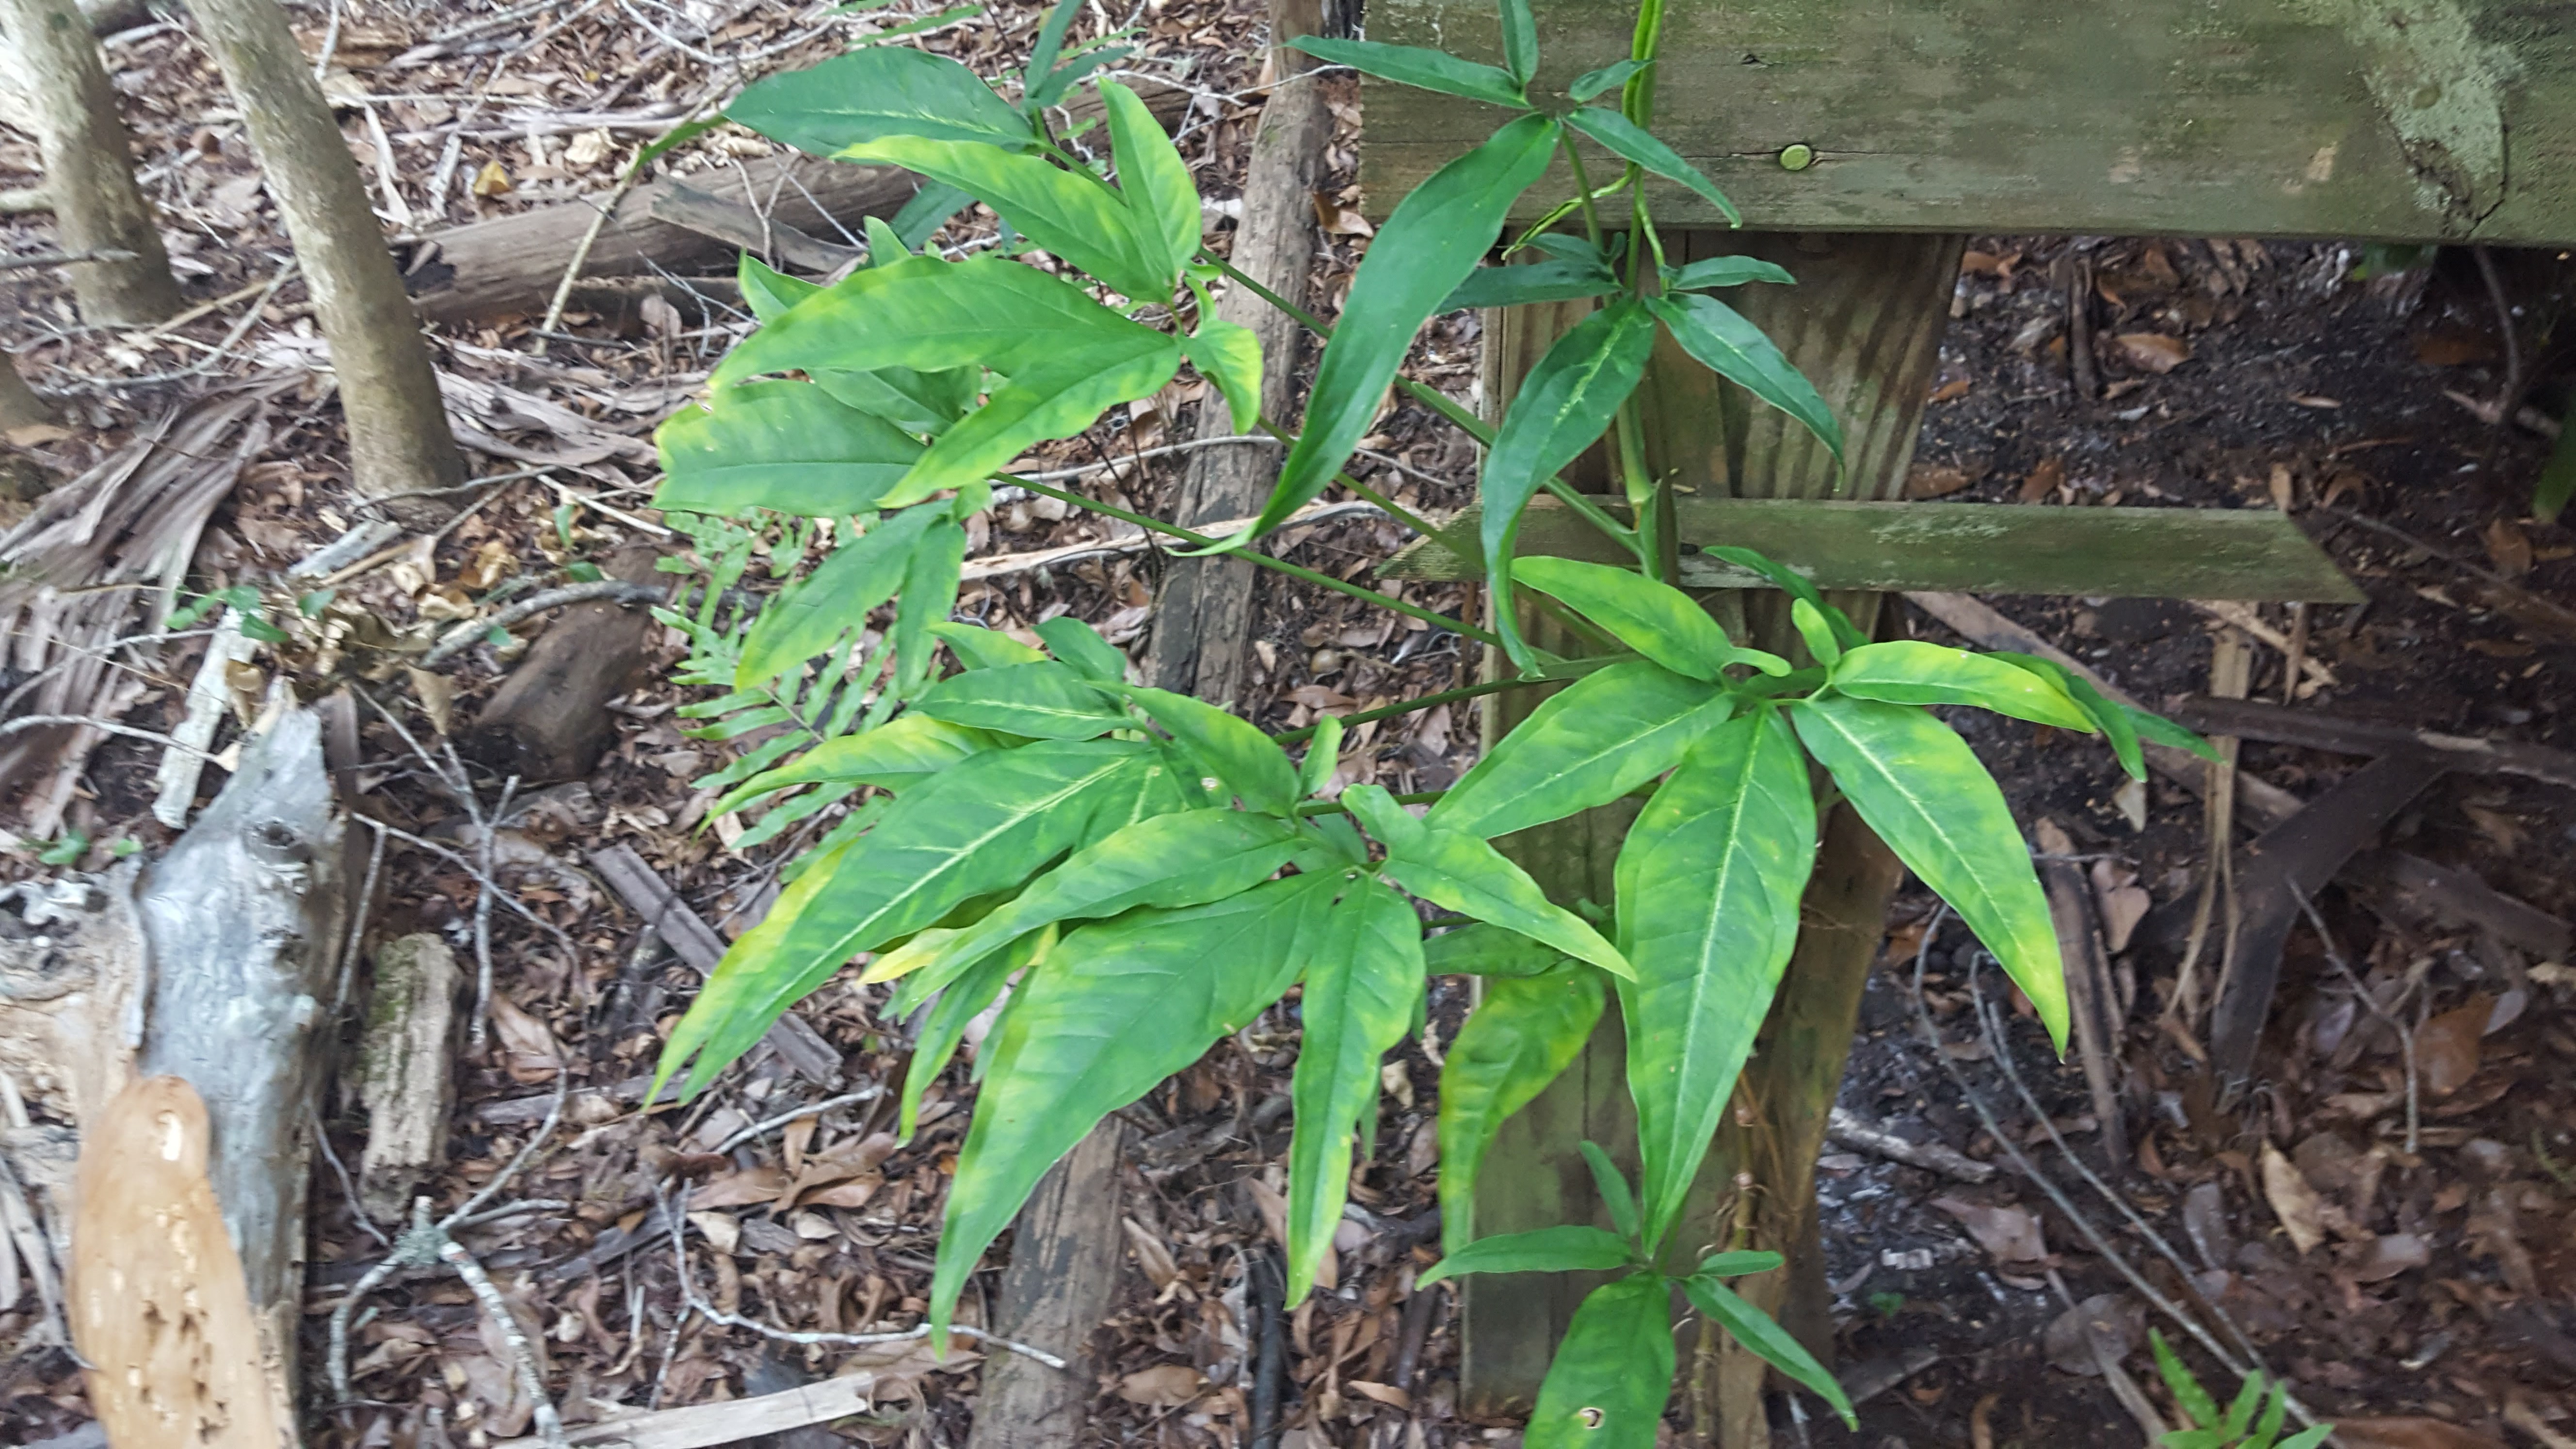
[{"x": 549, "y": 720}]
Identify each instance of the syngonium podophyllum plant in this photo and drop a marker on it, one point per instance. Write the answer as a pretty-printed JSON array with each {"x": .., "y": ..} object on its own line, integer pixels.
[{"x": 1148, "y": 873}]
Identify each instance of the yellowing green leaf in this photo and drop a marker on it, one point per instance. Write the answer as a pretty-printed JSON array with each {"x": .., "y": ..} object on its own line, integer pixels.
[
  {"x": 1074, "y": 216},
  {"x": 1521, "y": 1036},
  {"x": 1589, "y": 744},
  {"x": 782, "y": 445},
  {"x": 1460, "y": 872},
  {"x": 1911, "y": 671},
  {"x": 1044, "y": 700},
  {"x": 1731, "y": 346},
  {"x": 1362, "y": 979}
]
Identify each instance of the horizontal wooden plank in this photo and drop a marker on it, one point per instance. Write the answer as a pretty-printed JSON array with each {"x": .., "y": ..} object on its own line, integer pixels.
[
  {"x": 1965, "y": 548},
  {"x": 2410, "y": 120}
]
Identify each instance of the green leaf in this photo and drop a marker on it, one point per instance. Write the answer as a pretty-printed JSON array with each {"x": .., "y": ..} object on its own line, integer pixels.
[
  {"x": 1323, "y": 752},
  {"x": 1572, "y": 1248},
  {"x": 1616, "y": 1199},
  {"x": 2240, "y": 1414},
  {"x": 1067, "y": 357},
  {"x": 1424, "y": 251},
  {"x": 977, "y": 647},
  {"x": 1737, "y": 1263},
  {"x": 927, "y": 211},
  {"x": 1631, "y": 142},
  {"x": 1420, "y": 67},
  {"x": 1248, "y": 763},
  {"x": 669, "y": 141},
  {"x": 1153, "y": 179},
  {"x": 1362, "y": 976},
  {"x": 1767, "y": 1340},
  {"x": 2558, "y": 477},
  {"x": 1911, "y": 671},
  {"x": 1708, "y": 884},
  {"x": 1061, "y": 81},
  {"x": 1081, "y": 647},
  {"x": 868, "y": 95},
  {"x": 2311, "y": 1438},
  {"x": 2162, "y": 731},
  {"x": 1044, "y": 51},
  {"x": 1521, "y": 1036},
  {"x": 812, "y": 615},
  {"x": 1044, "y": 700},
  {"x": 1460, "y": 872},
  {"x": 1819, "y": 634},
  {"x": 1520, "y": 40},
  {"x": 1187, "y": 858},
  {"x": 1071, "y": 215},
  {"x": 1607, "y": 1385},
  {"x": 1562, "y": 408},
  {"x": 1653, "y": 618},
  {"x": 1115, "y": 1009},
  {"x": 783, "y": 445},
  {"x": 2189, "y": 1396},
  {"x": 1229, "y": 355},
  {"x": 1922, "y": 789},
  {"x": 2106, "y": 715},
  {"x": 929, "y": 596},
  {"x": 1483, "y": 950},
  {"x": 1729, "y": 345},
  {"x": 982, "y": 826},
  {"x": 1592, "y": 742},
  {"x": 1593, "y": 82},
  {"x": 770, "y": 292},
  {"x": 1725, "y": 272},
  {"x": 915, "y": 401},
  {"x": 1553, "y": 280},
  {"x": 1796, "y": 585},
  {"x": 945, "y": 1025}
]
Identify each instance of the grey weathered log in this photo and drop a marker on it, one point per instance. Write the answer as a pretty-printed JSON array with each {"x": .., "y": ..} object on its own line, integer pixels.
[
  {"x": 1203, "y": 618},
  {"x": 404, "y": 1071},
  {"x": 399, "y": 440},
  {"x": 243, "y": 920},
  {"x": 511, "y": 264},
  {"x": 89, "y": 167}
]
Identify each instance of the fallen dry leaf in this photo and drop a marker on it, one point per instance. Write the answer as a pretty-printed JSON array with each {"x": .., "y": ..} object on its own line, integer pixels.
[
  {"x": 1151, "y": 1255},
  {"x": 1387, "y": 1394},
  {"x": 2010, "y": 1235},
  {"x": 492, "y": 180},
  {"x": 2120, "y": 1323},
  {"x": 2410, "y": 1432},
  {"x": 745, "y": 1188},
  {"x": 2153, "y": 351},
  {"x": 2044, "y": 481},
  {"x": 2446, "y": 1048},
  {"x": 2508, "y": 547},
  {"x": 2116, "y": 892},
  {"x": 2389, "y": 1255},
  {"x": 1340, "y": 220},
  {"x": 1951, "y": 391},
  {"x": 1929, "y": 482},
  {"x": 528, "y": 1049},
  {"x": 1164, "y": 1386},
  {"x": 2293, "y": 1200}
]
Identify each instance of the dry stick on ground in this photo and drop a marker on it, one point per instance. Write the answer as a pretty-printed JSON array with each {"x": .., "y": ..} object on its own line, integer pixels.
[
  {"x": 2092, "y": 1001},
  {"x": 399, "y": 440},
  {"x": 462, "y": 637},
  {"x": 89, "y": 169},
  {"x": 2386, "y": 1013},
  {"x": 2343, "y": 735}
]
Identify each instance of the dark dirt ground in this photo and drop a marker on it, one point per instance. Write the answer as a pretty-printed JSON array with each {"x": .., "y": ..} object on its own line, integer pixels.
[{"x": 2438, "y": 1287}]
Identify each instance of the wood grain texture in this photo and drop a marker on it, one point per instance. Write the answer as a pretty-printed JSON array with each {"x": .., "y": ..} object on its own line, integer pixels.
[
  {"x": 1067, "y": 1249},
  {"x": 159, "y": 1305},
  {"x": 1967, "y": 548},
  {"x": 2413, "y": 120},
  {"x": 1864, "y": 324}
]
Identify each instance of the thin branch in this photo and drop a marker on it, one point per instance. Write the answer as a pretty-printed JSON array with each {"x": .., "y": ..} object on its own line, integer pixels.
[
  {"x": 2370, "y": 999},
  {"x": 34, "y": 721},
  {"x": 462, "y": 637}
]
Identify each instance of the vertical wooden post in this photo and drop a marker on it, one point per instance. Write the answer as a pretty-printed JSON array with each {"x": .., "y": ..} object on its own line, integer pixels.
[{"x": 1864, "y": 323}]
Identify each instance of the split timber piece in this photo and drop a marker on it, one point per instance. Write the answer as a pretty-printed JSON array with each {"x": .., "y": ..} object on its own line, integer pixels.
[
  {"x": 549, "y": 720},
  {"x": 510, "y": 265},
  {"x": 405, "y": 1077},
  {"x": 1067, "y": 1250},
  {"x": 1865, "y": 324},
  {"x": 694, "y": 941},
  {"x": 1967, "y": 548},
  {"x": 2342, "y": 734}
]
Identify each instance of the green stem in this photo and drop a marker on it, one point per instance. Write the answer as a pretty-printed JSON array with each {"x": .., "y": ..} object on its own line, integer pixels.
[
  {"x": 1336, "y": 807},
  {"x": 1441, "y": 403},
  {"x": 1294, "y": 571},
  {"x": 1640, "y": 489},
  {"x": 1569, "y": 670},
  {"x": 1582, "y": 184}
]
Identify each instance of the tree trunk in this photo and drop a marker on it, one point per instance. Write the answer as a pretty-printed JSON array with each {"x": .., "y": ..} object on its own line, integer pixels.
[
  {"x": 89, "y": 171},
  {"x": 1864, "y": 324},
  {"x": 1203, "y": 619},
  {"x": 399, "y": 441},
  {"x": 19, "y": 404}
]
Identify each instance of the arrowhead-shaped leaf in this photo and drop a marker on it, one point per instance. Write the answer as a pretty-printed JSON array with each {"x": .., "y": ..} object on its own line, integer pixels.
[
  {"x": 784, "y": 445},
  {"x": 1520, "y": 1037},
  {"x": 1927, "y": 795},
  {"x": 1362, "y": 979},
  {"x": 1427, "y": 247},
  {"x": 1767, "y": 1340},
  {"x": 1152, "y": 179},
  {"x": 1115, "y": 1009},
  {"x": 1243, "y": 759},
  {"x": 1592, "y": 742},
  {"x": 1607, "y": 1385},
  {"x": 1708, "y": 883}
]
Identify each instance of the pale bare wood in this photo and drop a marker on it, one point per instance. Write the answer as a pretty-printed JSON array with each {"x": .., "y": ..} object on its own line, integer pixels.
[
  {"x": 89, "y": 166},
  {"x": 160, "y": 1307},
  {"x": 1203, "y": 614},
  {"x": 399, "y": 439},
  {"x": 703, "y": 1426},
  {"x": 404, "y": 1070}
]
